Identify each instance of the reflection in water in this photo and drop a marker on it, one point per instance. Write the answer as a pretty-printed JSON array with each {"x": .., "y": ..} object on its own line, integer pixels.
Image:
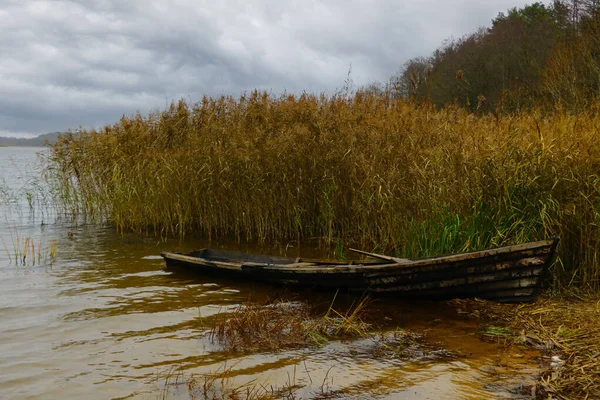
[{"x": 107, "y": 321}]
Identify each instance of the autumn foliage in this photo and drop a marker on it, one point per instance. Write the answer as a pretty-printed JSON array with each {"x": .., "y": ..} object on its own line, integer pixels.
[{"x": 536, "y": 56}]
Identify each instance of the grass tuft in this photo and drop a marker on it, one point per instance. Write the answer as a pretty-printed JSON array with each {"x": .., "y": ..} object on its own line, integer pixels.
[{"x": 279, "y": 325}]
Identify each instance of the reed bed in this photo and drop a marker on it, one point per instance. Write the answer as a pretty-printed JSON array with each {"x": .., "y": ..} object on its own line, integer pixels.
[
  {"x": 566, "y": 330},
  {"x": 362, "y": 170}
]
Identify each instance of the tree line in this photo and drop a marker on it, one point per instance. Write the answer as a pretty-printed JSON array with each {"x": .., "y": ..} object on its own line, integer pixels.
[{"x": 538, "y": 55}]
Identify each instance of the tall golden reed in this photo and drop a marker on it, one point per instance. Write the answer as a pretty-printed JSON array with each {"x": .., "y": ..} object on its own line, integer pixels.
[{"x": 363, "y": 169}]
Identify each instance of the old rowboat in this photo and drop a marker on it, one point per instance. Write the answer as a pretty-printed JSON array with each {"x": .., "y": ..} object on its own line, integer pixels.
[{"x": 504, "y": 274}]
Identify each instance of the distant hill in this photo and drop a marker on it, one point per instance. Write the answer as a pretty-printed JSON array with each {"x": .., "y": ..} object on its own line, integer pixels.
[{"x": 34, "y": 142}]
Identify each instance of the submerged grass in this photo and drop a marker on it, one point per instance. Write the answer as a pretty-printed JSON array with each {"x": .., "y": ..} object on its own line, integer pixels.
[
  {"x": 353, "y": 170},
  {"x": 566, "y": 330},
  {"x": 219, "y": 386},
  {"x": 282, "y": 325}
]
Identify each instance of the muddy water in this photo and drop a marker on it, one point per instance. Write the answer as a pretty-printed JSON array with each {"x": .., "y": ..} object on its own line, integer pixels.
[{"x": 105, "y": 320}]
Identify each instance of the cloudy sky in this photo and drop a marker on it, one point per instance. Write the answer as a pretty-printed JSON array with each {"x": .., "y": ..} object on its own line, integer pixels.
[{"x": 65, "y": 64}]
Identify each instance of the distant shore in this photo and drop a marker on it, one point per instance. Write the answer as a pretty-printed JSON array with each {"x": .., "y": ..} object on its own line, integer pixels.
[{"x": 37, "y": 141}]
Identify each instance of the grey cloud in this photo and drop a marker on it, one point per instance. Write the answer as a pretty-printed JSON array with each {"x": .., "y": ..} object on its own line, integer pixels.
[{"x": 70, "y": 63}]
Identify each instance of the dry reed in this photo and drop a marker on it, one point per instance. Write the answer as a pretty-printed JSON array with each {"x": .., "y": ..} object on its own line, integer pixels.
[{"x": 362, "y": 169}]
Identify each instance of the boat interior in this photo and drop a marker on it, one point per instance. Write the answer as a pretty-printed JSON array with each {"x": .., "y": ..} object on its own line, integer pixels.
[{"x": 239, "y": 257}]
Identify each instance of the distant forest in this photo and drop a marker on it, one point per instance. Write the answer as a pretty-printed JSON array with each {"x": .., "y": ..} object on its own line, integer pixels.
[
  {"x": 34, "y": 142},
  {"x": 538, "y": 56}
]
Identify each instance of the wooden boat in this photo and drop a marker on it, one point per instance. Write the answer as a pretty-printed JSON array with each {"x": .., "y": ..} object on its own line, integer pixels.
[{"x": 504, "y": 274}]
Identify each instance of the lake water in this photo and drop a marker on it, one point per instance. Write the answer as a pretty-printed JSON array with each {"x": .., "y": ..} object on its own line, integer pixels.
[{"x": 101, "y": 319}]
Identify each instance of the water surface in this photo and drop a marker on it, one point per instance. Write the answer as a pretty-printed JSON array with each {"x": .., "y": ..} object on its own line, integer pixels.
[{"x": 105, "y": 320}]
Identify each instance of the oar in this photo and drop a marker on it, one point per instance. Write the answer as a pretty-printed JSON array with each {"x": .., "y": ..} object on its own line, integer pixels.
[{"x": 381, "y": 256}]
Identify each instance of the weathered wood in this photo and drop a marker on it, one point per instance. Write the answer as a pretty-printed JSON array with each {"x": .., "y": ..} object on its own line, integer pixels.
[
  {"x": 255, "y": 265},
  {"x": 509, "y": 273},
  {"x": 381, "y": 256}
]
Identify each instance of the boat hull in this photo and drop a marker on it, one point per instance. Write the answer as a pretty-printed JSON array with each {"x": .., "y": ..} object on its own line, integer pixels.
[{"x": 505, "y": 274}]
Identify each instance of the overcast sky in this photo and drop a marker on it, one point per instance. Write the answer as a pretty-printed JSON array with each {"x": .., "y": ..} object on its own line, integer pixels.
[{"x": 65, "y": 64}]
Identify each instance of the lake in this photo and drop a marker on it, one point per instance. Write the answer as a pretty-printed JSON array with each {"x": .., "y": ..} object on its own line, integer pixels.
[{"x": 93, "y": 314}]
